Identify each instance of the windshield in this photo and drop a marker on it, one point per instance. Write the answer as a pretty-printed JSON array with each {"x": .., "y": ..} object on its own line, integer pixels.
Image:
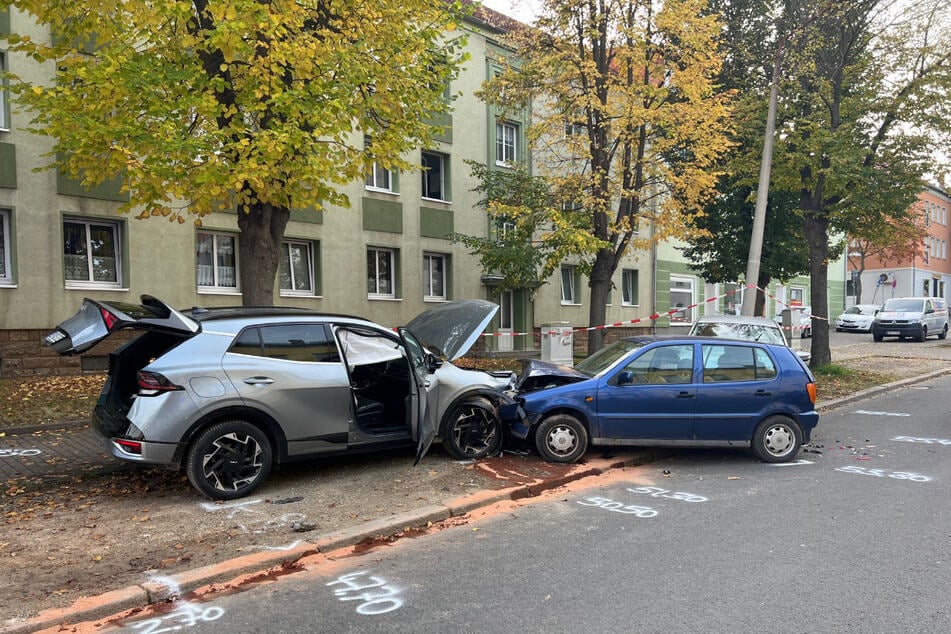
[
  {"x": 746, "y": 332},
  {"x": 606, "y": 357},
  {"x": 904, "y": 305}
]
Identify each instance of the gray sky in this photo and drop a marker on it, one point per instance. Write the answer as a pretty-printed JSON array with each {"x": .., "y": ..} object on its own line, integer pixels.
[{"x": 521, "y": 10}]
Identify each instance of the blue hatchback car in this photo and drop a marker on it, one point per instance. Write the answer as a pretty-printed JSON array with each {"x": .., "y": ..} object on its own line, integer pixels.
[{"x": 661, "y": 391}]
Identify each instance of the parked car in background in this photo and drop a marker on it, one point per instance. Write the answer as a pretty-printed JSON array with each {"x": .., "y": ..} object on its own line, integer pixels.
[
  {"x": 666, "y": 391},
  {"x": 804, "y": 326},
  {"x": 226, "y": 393},
  {"x": 746, "y": 328},
  {"x": 857, "y": 318},
  {"x": 911, "y": 317}
]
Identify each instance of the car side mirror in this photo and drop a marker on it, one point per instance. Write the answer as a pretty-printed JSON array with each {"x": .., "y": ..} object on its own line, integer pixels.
[
  {"x": 432, "y": 362},
  {"x": 625, "y": 378}
]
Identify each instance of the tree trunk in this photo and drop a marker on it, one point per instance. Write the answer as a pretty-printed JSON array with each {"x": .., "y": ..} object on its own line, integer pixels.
[
  {"x": 600, "y": 284},
  {"x": 816, "y": 230},
  {"x": 763, "y": 283},
  {"x": 259, "y": 248}
]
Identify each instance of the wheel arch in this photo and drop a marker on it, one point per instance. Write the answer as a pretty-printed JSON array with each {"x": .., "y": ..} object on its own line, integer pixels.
[
  {"x": 563, "y": 409},
  {"x": 494, "y": 397},
  {"x": 256, "y": 417}
]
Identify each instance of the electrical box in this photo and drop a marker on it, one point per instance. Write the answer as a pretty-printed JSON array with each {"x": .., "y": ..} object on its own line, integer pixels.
[{"x": 558, "y": 343}]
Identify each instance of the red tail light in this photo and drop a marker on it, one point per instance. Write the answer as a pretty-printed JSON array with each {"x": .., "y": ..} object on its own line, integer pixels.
[
  {"x": 811, "y": 388},
  {"x": 109, "y": 319},
  {"x": 152, "y": 383}
]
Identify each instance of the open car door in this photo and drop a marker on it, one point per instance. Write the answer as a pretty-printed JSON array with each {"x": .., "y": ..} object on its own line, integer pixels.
[
  {"x": 97, "y": 320},
  {"x": 421, "y": 417}
]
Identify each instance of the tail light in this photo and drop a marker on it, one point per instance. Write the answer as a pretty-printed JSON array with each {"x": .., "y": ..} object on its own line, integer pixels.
[
  {"x": 153, "y": 383},
  {"x": 108, "y": 318},
  {"x": 811, "y": 388}
]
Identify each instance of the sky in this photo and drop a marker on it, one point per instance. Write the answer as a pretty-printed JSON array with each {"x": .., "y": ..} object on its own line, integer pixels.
[{"x": 521, "y": 10}]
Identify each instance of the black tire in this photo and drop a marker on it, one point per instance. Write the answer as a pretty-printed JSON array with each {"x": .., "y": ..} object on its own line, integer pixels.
[
  {"x": 473, "y": 430},
  {"x": 923, "y": 334},
  {"x": 877, "y": 337},
  {"x": 944, "y": 332},
  {"x": 229, "y": 460},
  {"x": 777, "y": 439},
  {"x": 561, "y": 438}
]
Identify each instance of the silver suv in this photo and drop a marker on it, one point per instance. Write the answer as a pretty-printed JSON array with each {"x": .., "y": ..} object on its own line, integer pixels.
[
  {"x": 912, "y": 317},
  {"x": 226, "y": 393}
]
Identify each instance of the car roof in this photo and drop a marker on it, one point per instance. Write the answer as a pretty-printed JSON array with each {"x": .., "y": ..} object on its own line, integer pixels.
[
  {"x": 200, "y": 313},
  {"x": 736, "y": 319},
  {"x": 646, "y": 339}
]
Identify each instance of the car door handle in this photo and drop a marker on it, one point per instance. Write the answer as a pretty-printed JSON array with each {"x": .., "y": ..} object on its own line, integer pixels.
[
  {"x": 762, "y": 393},
  {"x": 259, "y": 380},
  {"x": 685, "y": 395}
]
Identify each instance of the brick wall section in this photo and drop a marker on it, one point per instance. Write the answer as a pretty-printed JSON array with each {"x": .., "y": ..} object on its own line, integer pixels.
[{"x": 23, "y": 354}]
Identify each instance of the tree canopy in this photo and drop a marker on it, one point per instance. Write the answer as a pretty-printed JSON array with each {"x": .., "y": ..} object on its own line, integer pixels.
[{"x": 238, "y": 105}]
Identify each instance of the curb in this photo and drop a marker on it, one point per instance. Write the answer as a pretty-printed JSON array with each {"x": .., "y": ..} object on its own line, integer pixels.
[
  {"x": 881, "y": 389},
  {"x": 169, "y": 588}
]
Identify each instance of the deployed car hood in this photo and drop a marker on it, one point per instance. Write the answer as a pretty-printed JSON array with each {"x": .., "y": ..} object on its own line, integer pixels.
[
  {"x": 451, "y": 328},
  {"x": 537, "y": 375}
]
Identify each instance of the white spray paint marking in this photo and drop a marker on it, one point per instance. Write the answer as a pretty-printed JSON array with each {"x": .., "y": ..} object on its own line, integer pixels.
[
  {"x": 256, "y": 521},
  {"x": 790, "y": 464},
  {"x": 865, "y": 411},
  {"x": 885, "y": 473},
  {"x": 290, "y": 546},
  {"x": 375, "y": 595},
  {"x": 657, "y": 492},
  {"x": 925, "y": 441},
  {"x": 186, "y": 614},
  {"x": 618, "y": 507},
  {"x": 18, "y": 453}
]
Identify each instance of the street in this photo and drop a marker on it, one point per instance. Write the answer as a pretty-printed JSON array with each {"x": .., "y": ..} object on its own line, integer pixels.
[{"x": 853, "y": 537}]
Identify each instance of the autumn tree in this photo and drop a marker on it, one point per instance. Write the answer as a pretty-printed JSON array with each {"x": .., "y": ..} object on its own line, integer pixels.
[
  {"x": 887, "y": 238},
  {"x": 251, "y": 106},
  {"x": 865, "y": 103},
  {"x": 626, "y": 123}
]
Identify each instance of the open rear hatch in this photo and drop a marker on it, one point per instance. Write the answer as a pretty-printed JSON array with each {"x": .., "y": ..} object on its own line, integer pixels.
[{"x": 97, "y": 320}]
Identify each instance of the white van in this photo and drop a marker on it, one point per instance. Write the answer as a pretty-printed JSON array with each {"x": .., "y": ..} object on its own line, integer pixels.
[{"x": 914, "y": 317}]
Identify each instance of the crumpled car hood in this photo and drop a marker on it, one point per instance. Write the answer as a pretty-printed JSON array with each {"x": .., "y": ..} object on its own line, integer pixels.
[
  {"x": 452, "y": 328},
  {"x": 538, "y": 375}
]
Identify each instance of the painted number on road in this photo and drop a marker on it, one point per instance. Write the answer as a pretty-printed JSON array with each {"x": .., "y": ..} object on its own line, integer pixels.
[
  {"x": 657, "y": 492},
  {"x": 865, "y": 411},
  {"x": 883, "y": 473},
  {"x": 925, "y": 441},
  {"x": 186, "y": 615},
  {"x": 375, "y": 595},
  {"x": 13, "y": 453},
  {"x": 618, "y": 507}
]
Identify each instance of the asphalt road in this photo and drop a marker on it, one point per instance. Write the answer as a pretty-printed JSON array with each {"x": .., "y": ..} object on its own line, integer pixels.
[{"x": 853, "y": 538}]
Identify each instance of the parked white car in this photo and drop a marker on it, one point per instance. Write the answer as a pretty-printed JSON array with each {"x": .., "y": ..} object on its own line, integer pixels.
[{"x": 857, "y": 318}]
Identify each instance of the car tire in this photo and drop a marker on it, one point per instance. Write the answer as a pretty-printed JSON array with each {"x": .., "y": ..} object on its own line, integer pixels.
[
  {"x": 777, "y": 439},
  {"x": 561, "y": 438},
  {"x": 229, "y": 460},
  {"x": 944, "y": 332},
  {"x": 877, "y": 337},
  {"x": 473, "y": 430},
  {"x": 923, "y": 334}
]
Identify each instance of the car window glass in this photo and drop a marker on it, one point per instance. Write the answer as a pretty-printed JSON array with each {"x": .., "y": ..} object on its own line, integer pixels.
[
  {"x": 667, "y": 364},
  {"x": 299, "y": 342},
  {"x": 728, "y": 363},
  {"x": 606, "y": 357},
  {"x": 765, "y": 368},
  {"x": 248, "y": 342}
]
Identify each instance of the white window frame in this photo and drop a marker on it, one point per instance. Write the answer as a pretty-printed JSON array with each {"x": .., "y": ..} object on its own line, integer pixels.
[
  {"x": 427, "y": 175},
  {"x": 629, "y": 287},
  {"x": 690, "y": 288},
  {"x": 4, "y": 99},
  {"x": 506, "y": 143},
  {"x": 218, "y": 272},
  {"x": 89, "y": 282},
  {"x": 569, "y": 286},
  {"x": 307, "y": 248},
  {"x": 6, "y": 272},
  {"x": 379, "y": 179},
  {"x": 432, "y": 276},
  {"x": 374, "y": 275}
]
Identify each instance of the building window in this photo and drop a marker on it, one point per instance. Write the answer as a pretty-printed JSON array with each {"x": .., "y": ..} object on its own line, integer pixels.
[
  {"x": 6, "y": 275},
  {"x": 569, "y": 284},
  {"x": 506, "y": 146},
  {"x": 681, "y": 300},
  {"x": 217, "y": 262},
  {"x": 296, "y": 268},
  {"x": 91, "y": 253},
  {"x": 381, "y": 273},
  {"x": 379, "y": 178},
  {"x": 434, "y": 176},
  {"x": 628, "y": 287},
  {"x": 434, "y": 273}
]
